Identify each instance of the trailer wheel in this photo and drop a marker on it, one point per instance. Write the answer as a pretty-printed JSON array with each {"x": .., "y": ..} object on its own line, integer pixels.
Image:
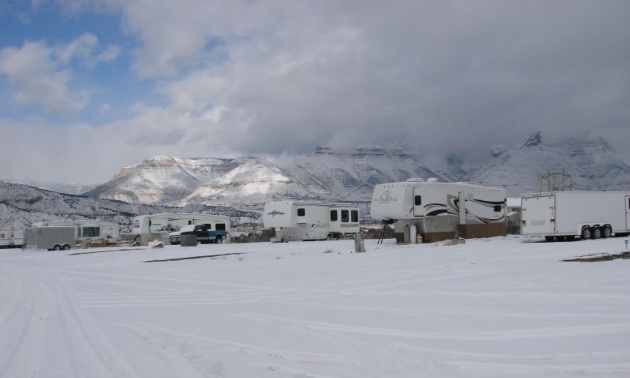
[
  {"x": 586, "y": 233},
  {"x": 66, "y": 247},
  {"x": 57, "y": 247},
  {"x": 597, "y": 232},
  {"x": 606, "y": 231}
]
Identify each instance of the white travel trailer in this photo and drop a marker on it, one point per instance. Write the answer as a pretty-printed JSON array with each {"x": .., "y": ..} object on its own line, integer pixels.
[
  {"x": 565, "y": 215},
  {"x": 158, "y": 226},
  {"x": 305, "y": 220},
  {"x": 11, "y": 237},
  {"x": 436, "y": 211},
  {"x": 88, "y": 230}
]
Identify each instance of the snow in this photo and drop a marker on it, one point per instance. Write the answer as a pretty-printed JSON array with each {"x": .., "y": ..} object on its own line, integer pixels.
[{"x": 498, "y": 307}]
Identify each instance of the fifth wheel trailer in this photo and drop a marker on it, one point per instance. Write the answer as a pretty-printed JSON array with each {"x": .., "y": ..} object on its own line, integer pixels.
[
  {"x": 565, "y": 215},
  {"x": 435, "y": 211}
]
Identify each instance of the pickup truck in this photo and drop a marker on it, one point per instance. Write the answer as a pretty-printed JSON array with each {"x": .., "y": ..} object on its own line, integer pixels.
[{"x": 204, "y": 234}]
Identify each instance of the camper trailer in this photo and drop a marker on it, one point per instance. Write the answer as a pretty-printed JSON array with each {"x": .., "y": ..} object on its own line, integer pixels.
[
  {"x": 304, "y": 220},
  {"x": 158, "y": 226},
  {"x": 88, "y": 230},
  {"x": 11, "y": 237},
  {"x": 583, "y": 214},
  {"x": 428, "y": 211}
]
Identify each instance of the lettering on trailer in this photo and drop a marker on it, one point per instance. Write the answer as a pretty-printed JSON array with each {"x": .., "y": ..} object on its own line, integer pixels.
[
  {"x": 386, "y": 197},
  {"x": 275, "y": 212}
]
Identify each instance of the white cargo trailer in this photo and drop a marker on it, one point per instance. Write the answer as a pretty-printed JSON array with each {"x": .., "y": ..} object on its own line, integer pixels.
[
  {"x": 310, "y": 220},
  {"x": 158, "y": 226},
  {"x": 565, "y": 215},
  {"x": 50, "y": 238},
  {"x": 433, "y": 211}
]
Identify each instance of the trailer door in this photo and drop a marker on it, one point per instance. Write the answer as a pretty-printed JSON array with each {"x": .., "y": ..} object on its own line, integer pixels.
[
  {"x": 627, "y": 212},
  {"x": 418, "y": 209},
  {"x": 538, "y": 215}
]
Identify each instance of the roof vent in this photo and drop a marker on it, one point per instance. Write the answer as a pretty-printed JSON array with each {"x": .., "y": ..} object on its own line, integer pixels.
[
  {"x": 415, "y": 179},
  {"x": 432, "y": 179}
]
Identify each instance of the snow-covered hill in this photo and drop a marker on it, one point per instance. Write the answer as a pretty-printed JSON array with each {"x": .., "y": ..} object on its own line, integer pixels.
[
  {"x": 166, "y": 183},
  {"x": 574, "y": 164}
]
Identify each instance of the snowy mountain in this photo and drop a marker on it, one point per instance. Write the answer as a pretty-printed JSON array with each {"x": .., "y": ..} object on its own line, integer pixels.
[
  {"x": 241, "y": 186},
  {"x": 573, "y": 164},
  {"x": 22, "y": 205}
]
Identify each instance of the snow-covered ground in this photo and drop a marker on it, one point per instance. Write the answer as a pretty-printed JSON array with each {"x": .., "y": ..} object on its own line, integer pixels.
[{"x": 494, "y": 307}]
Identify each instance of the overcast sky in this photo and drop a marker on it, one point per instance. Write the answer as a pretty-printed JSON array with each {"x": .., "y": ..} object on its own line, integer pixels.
[{"x": 89, "y": 86}]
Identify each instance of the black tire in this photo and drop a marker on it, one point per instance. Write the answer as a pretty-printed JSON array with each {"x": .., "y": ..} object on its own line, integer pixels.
[
  {"x": 66, "y": 247},
  {"x": 219, "y": 239},
  {"x": 597, "y": 232},
  {"x": 586, "y": 233},
  {"x": 57, "y": 247},
  {"x": 606, "y": 231}
]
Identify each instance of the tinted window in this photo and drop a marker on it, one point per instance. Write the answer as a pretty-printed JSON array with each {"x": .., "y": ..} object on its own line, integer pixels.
[
  {"x": 497, "y": 208},
  {"x": 301, "y": 212},
  {"x": 355, "y": 216},
  {"x": 417, "y": 200},
  {"x": 345, "y": 216},
  {"x": 209, "y": 226},
  {"x": 220, "y": 226},
  {"x": 333, "y": 215},
  {"x": 90, "y": 232}
]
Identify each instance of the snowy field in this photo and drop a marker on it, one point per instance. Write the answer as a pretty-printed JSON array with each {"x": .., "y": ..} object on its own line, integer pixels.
[{"x": 494, "y": 307}]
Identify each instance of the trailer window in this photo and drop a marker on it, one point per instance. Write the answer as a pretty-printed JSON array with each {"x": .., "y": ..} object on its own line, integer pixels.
[
  {"x": 355, "y": 216},
  {"x": 90, "y": 232},
  {"x": 333, "y": 215},
  {"x": 220, "y": 227},
  {"x": 345, "y": 216},
  {"x": 417, "y": 200},
  {"x": 497, "y": 208},
  {"x": 189, "y": 222},
  {"x": 301, "y": 212}
]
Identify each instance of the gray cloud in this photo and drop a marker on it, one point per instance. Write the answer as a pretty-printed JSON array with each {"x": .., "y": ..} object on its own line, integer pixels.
[{"x": 245, "y": 77}]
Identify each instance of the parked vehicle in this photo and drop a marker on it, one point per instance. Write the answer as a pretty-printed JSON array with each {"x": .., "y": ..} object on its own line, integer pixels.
[
  {"x": 159, "y": 226},
  {"x": 432, "y": 210},
  {"x": 11, "y": 237},
  {"x": 49, "y": 238},
  {"x": 310, "y": 220},
  {"x": 584, "y": 214},
  {"x": 205, "y": 233},
  {"x": 87, "y": 229}
]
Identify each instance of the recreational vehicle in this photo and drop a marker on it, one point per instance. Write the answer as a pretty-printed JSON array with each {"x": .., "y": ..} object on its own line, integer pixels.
[
  {"x": 304, "y": 220},
  {"x": 88, "y": 230},
  {"x": 11, "y": 237},
  {"x": 158, "y": 226},
  {"x": 565, "y": 215},
  {"x": 434, "y": 211}
]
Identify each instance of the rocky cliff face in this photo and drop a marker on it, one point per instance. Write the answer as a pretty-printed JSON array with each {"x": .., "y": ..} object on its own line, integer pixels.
[{"x": 574, "y": 164}]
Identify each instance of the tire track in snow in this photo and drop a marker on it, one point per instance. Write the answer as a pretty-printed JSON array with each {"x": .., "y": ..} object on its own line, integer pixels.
[
  {"x": 530, "y": 333},
  {"x": 189, "y": 354}
]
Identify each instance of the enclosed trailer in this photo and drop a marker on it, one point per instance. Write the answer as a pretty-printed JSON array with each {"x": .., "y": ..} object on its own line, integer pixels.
[
  {"x": 11, "y": 237},
  {"x": 88, "y": 229},
  {"x": 433, "y": 211},
  {"x": 50, "y": 238},
  {"x": 158, "y": 226},
  {"x": 565, "y": 215},
  {"x": 306, "y": 220}
]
